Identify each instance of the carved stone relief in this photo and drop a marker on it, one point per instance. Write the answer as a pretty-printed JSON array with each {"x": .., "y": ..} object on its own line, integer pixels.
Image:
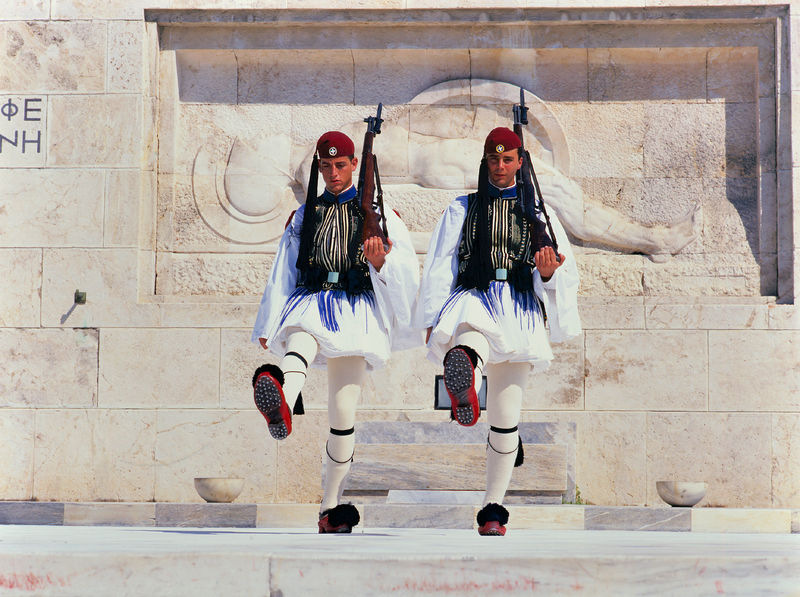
[
  {"x": 671, "y": 177},
  {"x": 246, "y": 196}
]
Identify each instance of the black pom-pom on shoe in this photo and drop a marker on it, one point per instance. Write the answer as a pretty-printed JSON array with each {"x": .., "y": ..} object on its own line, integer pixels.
[
  {"x": 273, "y": 370},
  {"x": 344, "y": 514},
  {"x": 493, "y": 512},
  {"x": 340, "y": 519},
  {"x": 492, "y": 520}
]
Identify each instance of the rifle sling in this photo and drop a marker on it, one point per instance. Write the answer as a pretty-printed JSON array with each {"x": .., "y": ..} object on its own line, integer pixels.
[
  {"x": 541, "y": 200},
  {"x": 380, "y": 195}
]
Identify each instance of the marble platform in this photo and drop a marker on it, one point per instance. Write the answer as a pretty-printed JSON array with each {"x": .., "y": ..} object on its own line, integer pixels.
[
  {"x": 67, "y": 561},
  {"x": 454, "y": 515},
  {"x": 393, "y": 455}
]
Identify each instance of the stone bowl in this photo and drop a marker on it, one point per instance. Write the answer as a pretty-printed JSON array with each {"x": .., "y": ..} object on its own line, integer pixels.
[
  {"x": 218, "y": 489},
  {"x": 681, "y": 493}
]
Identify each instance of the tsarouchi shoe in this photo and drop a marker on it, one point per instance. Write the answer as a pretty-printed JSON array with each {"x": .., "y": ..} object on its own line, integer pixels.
[
  {"x": 459, "y": 380},
  {"x": 268, "y": 395},
  {"x": 340, "y": 519},
  {"x": 492, "y": 520}
]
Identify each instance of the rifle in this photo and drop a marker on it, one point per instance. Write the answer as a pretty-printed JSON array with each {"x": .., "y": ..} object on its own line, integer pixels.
[
  {"x": 528, "y": 188},
  {"x": 368, "y": 179}
]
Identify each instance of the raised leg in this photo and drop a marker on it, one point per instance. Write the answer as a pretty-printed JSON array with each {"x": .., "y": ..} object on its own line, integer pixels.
[
  {"x": 463, "y": 375},
  {"x": 273, "y": 385}
]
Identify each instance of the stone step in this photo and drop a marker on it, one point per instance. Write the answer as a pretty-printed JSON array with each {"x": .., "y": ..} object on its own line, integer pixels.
[
  {"x": 393, "y": 515},
  {"x": 456, "y": 467},
  {"x": 78, "y": 561},
  {"x": 398, "y": 455}
]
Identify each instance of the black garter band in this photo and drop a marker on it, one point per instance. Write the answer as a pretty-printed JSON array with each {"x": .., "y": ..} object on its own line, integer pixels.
[
  {"x": 299, "y": 356},
  {"x": 350, "y": 431},
  {"x": 341, "y": 432},
  {"x": 519, "y": 449},
  {"x": 503, "y": 429}
]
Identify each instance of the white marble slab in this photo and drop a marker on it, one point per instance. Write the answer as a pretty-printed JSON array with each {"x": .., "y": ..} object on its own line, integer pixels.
[
  {"x": 16, "y": 453},
  {"x": 46, "y": 368},
  {"x": 20, "y": 301},
  {"x": 729, "y": 451},
  {"x": 396, "y": 561},
  {"x": 413, "y": 496},
  {"x": 741, "y": 520},
  {"x": 51, "y": 208},
  {"x": 110, "y": 514}
]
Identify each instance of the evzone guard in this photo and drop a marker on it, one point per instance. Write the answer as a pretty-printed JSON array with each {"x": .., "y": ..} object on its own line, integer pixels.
[
  {"x": 339, "y": 296},
  {"x": 492, "y": 275}
]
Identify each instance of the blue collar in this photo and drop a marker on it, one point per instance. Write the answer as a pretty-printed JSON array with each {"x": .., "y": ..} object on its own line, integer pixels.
[
  {"x": 342, "y": 197},
  {"x": 508, "y": 193}
]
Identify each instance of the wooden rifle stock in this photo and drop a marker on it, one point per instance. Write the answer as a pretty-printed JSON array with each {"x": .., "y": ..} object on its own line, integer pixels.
[{"x": 368, "y": 181}]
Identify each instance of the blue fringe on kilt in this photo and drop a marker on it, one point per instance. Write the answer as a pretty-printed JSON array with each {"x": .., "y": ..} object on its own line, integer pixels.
[
  {"x": 526, "y": 304},
  {"x": 329, "y": 303}
]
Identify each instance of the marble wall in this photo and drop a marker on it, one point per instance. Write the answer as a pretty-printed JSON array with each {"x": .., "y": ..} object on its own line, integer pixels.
[{"x": 135, "y": 144}]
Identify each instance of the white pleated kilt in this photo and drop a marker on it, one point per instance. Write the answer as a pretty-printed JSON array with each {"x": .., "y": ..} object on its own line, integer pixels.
[
  {"x": 342, "y": 327},
  {"x": 515, "y": 330}
]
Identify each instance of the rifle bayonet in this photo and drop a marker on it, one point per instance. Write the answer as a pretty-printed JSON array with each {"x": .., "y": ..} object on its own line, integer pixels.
[
  {"x": 521, "y": 110},
  {"x": 374, "y": 122}
]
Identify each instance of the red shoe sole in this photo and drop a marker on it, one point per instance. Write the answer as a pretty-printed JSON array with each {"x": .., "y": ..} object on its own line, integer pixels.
[
  {"x": 459, "y": 380},
  {"x": 492, "y": 528},
  {"x": 269, "y": 399}
]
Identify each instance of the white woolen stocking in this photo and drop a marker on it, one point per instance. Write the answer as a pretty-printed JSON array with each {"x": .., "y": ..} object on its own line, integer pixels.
[
  {"x": 503, "y": 403},
  {"x": 294, "y": 369},
  {"x": 345, "y": 375},
  {"x": 477, "y": 342}
]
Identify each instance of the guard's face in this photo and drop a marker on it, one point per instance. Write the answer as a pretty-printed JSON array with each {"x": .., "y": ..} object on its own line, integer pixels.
[
  {"x": 503, "y": 167},
  {"x": 337, "y": 173}
]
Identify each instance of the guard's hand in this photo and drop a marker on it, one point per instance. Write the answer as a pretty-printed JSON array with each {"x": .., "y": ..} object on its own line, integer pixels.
[
  {"x": 428, "y": 334},
  {"x": 545, "y": 259},
  {"x": 263, "y": 342},
  {"x": 375, "y": 252}
]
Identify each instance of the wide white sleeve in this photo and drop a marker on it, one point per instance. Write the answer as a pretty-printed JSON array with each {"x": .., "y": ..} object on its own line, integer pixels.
[
  {"x": 560, "y": 293},
  {"x": 282, "y": 279},
  {"x": 397, "y": 283},
  {"x": 441, "y": 264}
]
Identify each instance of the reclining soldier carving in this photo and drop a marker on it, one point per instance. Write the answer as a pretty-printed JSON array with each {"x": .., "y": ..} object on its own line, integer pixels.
[
  {"x": 438, "y": 163},
  {"x": 432, "y": 161}
]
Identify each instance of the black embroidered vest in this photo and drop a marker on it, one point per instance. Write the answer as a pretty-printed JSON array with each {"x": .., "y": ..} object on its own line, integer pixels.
[
  {"x": 510, "y": 245},
  {"x": 335, "y": 259}
]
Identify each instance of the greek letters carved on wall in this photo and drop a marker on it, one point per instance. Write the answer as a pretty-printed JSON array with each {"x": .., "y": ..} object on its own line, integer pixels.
[{"x": 22, "y": 127}]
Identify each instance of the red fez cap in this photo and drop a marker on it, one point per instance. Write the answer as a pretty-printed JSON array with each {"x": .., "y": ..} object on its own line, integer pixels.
[
  {"x": 501, "y": 139},
  {"x": 334, "y": 144}
]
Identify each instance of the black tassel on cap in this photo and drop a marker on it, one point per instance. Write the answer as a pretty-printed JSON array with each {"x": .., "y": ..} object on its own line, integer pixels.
[
  {"x": 307, "y": 233},
  {"x": 483, "y": 240}
]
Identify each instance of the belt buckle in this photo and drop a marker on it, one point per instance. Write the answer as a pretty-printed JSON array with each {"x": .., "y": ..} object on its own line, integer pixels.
[
  {"x": 333, "y": 277},
  {"x": 501, "y": 273}
]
